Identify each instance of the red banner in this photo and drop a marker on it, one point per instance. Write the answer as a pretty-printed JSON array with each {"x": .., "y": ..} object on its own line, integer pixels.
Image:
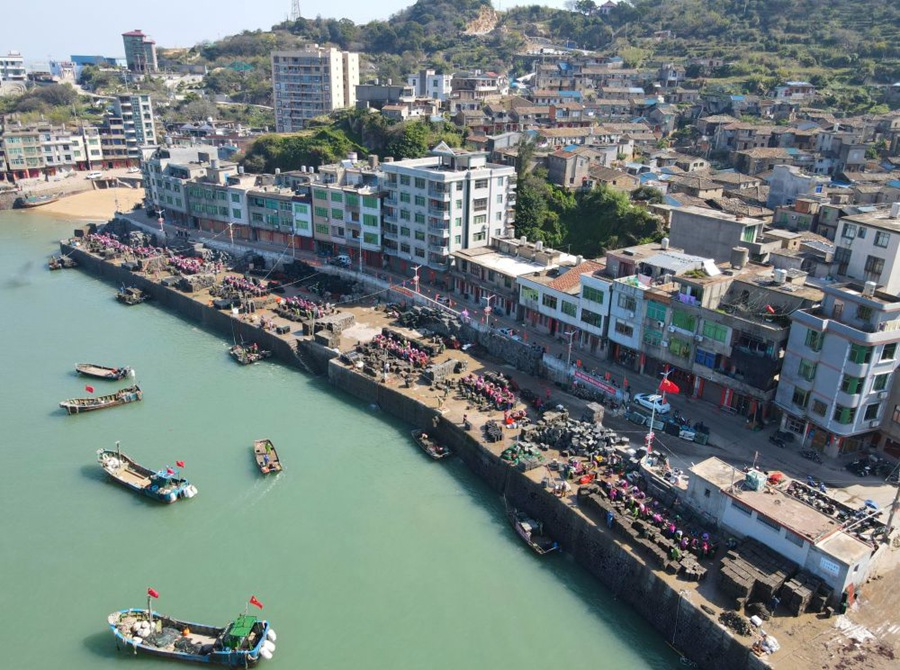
[
  {"x": 153, "y": 593},
  {"x": 255, "y": 602},
  {"x": 89, "y": 389},
  {"x": 603, "y": 386}
]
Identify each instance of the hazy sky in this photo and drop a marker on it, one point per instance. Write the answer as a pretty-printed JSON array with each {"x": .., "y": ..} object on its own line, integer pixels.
[{"x": 56, "y": 28}]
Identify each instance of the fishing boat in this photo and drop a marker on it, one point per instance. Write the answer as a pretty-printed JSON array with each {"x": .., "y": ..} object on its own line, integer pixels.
[
  {"x": 101, "y": 371},
  {"x": 429, "y": 446},
  {"x": 61, "y": 263},
  {"x": 163, "y": 485},
  {"x": 247, "y": 354},
  {"x": 532, "y": 532},
  {"x": 266, "y": 457},
  {"x": 132, "y": 295},
  {"x": 239, "y": 644},
  {"x": 120, "y": 397},
  {"x": 38, "y": 200}
]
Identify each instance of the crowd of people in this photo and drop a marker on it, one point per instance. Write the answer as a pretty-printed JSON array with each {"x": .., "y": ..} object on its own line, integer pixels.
[
  {"x": 401, "y": 349},
  {"x": 499, "y": 396}
]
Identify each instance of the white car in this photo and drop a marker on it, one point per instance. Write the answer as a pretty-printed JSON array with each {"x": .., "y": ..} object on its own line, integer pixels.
[
  {"x": 132, "y": 170},
  {"x": 94, "y": 175},
  {"x": 653, "y": 401},
  {"x": 509, "y": 332}
]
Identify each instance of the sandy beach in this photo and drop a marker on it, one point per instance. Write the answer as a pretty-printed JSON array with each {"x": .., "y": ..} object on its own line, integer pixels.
[{"x": 99, "y": 205}]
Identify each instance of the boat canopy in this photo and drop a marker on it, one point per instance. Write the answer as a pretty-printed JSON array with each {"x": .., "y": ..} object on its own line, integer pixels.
[{"x": 239, "y": 630}]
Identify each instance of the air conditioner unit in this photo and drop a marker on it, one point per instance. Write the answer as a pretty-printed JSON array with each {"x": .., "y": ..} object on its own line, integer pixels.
[
  {"x": 671, "y": 329},
  {"x": 882, "y": 395},
  {"x": 874, "y": 424},
  {"x": 660, "y": 324},
  {"x": 630, "y": 315},
  {"x": 664, "y": 343},
  {"x": 699, "y": 338}
]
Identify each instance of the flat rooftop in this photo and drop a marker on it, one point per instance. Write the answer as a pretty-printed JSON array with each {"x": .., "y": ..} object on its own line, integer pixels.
[{"x": 505, "y": 264}]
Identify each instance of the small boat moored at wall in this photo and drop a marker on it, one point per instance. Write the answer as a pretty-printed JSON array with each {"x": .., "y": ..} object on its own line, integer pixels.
[
  {"x": 102, "y": 371},
  {"x": 132, "y": 296},
  {"x": 245, "y": 354},
  {"x": 163, "y": 485},
  {"x": 61, "y": 263},
  {"x": 37, "y": 200},
  {"x": 532, "y": 532},
  {"x": 240, "y": 644},
  {"x": 266, "y": 457},
  {"x": 120, "y": 397},
  {"x": 429, "y": 446}
]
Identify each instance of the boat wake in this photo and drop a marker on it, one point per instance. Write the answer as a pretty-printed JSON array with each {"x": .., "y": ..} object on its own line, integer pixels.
[{"x": 269, "y": 484}]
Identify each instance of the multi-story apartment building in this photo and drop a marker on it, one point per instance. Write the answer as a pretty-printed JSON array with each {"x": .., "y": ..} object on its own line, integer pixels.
[
  {"x": 867, "y": 246},
  {"x": 347, "y": 210},
  {"x": 429, "y": 84},
  {"x": 12, "y": 68},
  {"x": 310, "y": 82},
  {"x": 442, "y": 203},
  {"x": 64, "y": 150},
  {"x": 140, "y": 52},
  {"x": 839, "y": 367},
  {"x": 127, "y": 128},
  {"x": 22, "y": 151}
]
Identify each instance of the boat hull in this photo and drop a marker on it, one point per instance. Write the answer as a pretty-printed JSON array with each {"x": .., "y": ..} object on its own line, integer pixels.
[
  {"x": 101, "y": 372},
  {"x": 270, "y": 465},
  {"x": 429, "y": 446},
  {"x": 247, "y": 658},
  {"x": 120, "y": 397},
  {"x": 159, "y": 486}
]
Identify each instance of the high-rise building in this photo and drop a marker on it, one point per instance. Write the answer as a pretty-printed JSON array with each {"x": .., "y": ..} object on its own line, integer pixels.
[
  {"x": 140, "y": 52},
  {"x": 448, "y": 201},
  {"x": 12, "y": 67},
  {"x": 311, "y": 82},
  {"x": 127, "y": 127}
]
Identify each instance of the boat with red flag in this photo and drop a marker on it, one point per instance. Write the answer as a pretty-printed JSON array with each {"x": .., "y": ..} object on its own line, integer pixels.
[
  {"x": 102, "y": 371},
  {"x": 239, "y": 644},
  {"x": 120, "y": 397},
  {"x": 164, "y": 485}
]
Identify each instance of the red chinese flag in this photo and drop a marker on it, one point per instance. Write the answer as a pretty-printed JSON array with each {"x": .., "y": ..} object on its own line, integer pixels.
[
  {"x": 169, "y": 470},
  {"x": 770, "y": 309},
  {"x": 180, "y": 464},
  {"x": 255, "y": 602},
  {"x": 668, "y": 387},
  {"x": 153, "y": 593},
  {"x": 89, "y": 389}
]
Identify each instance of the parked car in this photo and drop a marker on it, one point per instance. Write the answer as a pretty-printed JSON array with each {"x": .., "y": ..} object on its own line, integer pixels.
[
  {"x": 96, "y": 174},
  {"x": 653, "y": 401},
  {"x": 509, "y": 332},
  {"x": 343, "y": 260}
]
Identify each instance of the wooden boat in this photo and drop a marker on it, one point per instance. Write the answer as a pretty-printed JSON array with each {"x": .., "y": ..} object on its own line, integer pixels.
[
  {"x": 163, "y": 485},
  {"x": 38, "y": 200},
  {"x": 266, "y": 457},
  {"x": 120, "y": 397},
  {"x": 532, "y": 532},
  {"x": 102, "y": 372},
  {"x": 132, "y": 296},
  {"x": 247, "y": 354},
  {"x": 429, "y": 446},
  {"x": 239, "y": 644},
  {"x": 61, "y": 263}
]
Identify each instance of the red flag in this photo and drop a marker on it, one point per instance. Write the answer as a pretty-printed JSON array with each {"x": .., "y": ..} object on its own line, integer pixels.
[
  {"x": 153, "y": 593},
  {"x": 770, "y": 309},
  {"x": 89, "y": 389},
  {"x": 180, "y": 464},
  {"x": 255, "y": 602},
  {"x": 169, "y": 471},
  {"x": 668, "y": 387}
]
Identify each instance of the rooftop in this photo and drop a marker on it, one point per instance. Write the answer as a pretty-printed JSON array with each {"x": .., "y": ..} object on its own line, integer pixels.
[{"x": 505, "y": 264}]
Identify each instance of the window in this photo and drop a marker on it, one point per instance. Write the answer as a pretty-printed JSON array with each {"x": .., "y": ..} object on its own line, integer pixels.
[
  {"x": 419, "y": 182},
  {"x": 749, "y": 234},
  {"x": 548, "y": 301},
  {"x": 404, "y": 181},
  {"x": 800, "y": 397},
  {"x": 849, "y": 231},
  {"x": 814, "y": 339},
  {"x": 419, "y": 252},
  {"x": 321, "y": 228},
  {"x": 656, "y": 311},
  {"x": 420, "y": 200},
  {"x": 481, "y": 183},
  {"x": 715, "y": 331},
  {"x": 404, "y": 248},
  {"x": 404, "y": 197},
  {"x": 591, "y": 318},
  {"x": 500, "y": 181},
  {"x": 337, "y": 196},
  {"x": 889, "y": 352},
  {"x": 404, "y": 231},
  {"x": 319, "y": 194},
  {"x": 568, "y": 308},
  {"x": 627, "y": 302},
  {"x": 480, "y": 219},
  {"x": 370, "y": 238},
  {"x": 851, "y": 385},
  {"x": 404, "y": 214},
  {"x": 529, "y": 293},
  {"x": 479, "y": 237},
  {"x": 322, "y": 212},
  {"x": 844, "y": 415},
  {"x": 741, "y": 507},
  {"x": 419, "y": 235},
  {"x": 684, "y": 320},
  {"x": 679, "y": 347},
  {"x": 807, "y": 369},
  {"x": 768, "y": 522},
  {"x": 895, "y": 416},
  {"x": 623, "y": 328},
  {"x": 235, "y": 197},
  {"x": 880, "y": 382},
  {"x": 864, "y": 313},
  {"x": 236, "y": 213},
  {"x": 842, "y": 258},
  {"x": 705, "y": 358},
  {"x": 652, "y": 337},
  {"x": 819, "y": 407},
  {"x": 882, "y": 239},
  {"x": 418, "y": 217},
  {"x": 874, "y": 267},
  {"x": 370, "y": 201},
  {"x": 459, "y": 187},
  {"x": 859, "y": 354},
  {"x": 872, "y": 412},
  {"x": 593, "y": 294},
  {"x": 499, "y": 198},
  {"x": 479, "y": 204},
  {"x": 370, "y": 220}
]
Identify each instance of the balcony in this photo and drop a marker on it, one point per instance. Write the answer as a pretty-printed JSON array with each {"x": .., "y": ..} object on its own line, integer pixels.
[
  {"x": 436, "y": 211},
  {"x": 439, "y": 249},
  {"x": 439, "y": 231}
]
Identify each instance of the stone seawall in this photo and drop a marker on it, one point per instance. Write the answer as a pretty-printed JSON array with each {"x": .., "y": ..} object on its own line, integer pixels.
[
  {"x": 612, "y": 561},
  {"x": 627, "y": 574}
]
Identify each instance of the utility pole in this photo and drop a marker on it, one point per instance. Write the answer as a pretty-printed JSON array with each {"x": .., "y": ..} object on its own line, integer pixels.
[
  {"x": 416, "y": 278},
  {"x": 487, "y": 310},
  {"x": 650, "y": 433},
  {"x": 890, "y": 521},
  {"x": 570, "y": 334}
]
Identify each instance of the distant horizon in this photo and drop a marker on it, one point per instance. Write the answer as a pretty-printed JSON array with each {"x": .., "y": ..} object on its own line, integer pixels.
[{"x": 53, "y": 30}]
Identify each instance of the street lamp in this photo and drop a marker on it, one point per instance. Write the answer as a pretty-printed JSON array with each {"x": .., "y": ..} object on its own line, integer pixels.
[
  {"x": 487, "y": 310},
  {"x": 663, "y": 385},
  {"x": 416, "y": 278}
]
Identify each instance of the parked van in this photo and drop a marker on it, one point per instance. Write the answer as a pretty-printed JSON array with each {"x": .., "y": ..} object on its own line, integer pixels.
[
  {"x": 343, "y": 260},
  {"x": 94, "y": 175}
]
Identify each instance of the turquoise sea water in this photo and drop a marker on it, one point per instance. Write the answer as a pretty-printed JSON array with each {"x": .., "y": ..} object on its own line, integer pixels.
[{"x": 365, "y": 553}]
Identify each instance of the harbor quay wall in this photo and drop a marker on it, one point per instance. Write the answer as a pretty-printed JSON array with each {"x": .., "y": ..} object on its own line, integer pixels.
[
  {"x": 186, "y": 306},
  {"x": 615, "y": 563}
]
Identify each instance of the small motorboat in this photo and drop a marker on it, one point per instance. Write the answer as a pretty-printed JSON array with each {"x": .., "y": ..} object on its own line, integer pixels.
[
  {"x": 101, "y": 371},
  {"x": 266, "y": 457},
  {"x": 163, "y": 485},
  {"x": 532, "y": 532},
  {"x": 245, "y": 354},
  {"x": 120, "y": 397},
  {"x": 429, "y": 446},
  {"x": 132, "y": 296}
]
